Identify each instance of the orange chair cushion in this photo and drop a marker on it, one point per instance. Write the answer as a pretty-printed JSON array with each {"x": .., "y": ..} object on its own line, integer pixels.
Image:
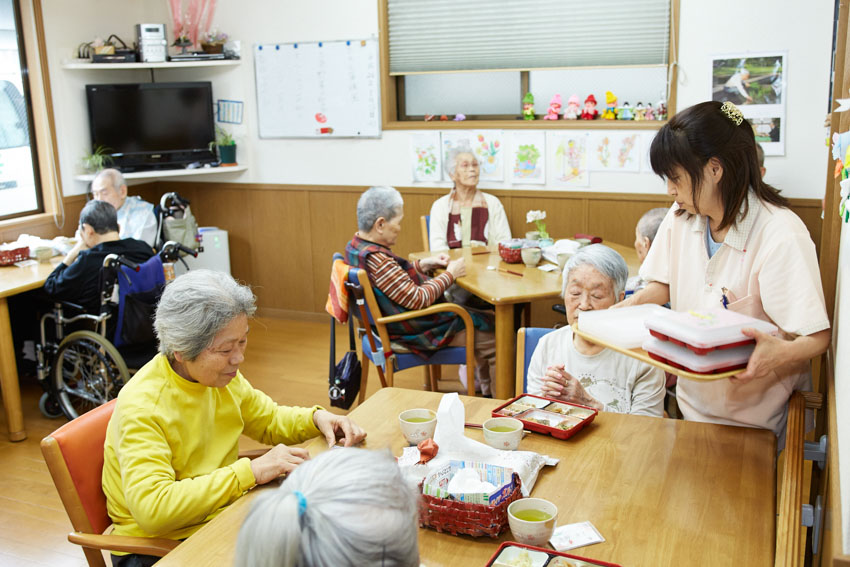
[{"x": 81, "y": 442}]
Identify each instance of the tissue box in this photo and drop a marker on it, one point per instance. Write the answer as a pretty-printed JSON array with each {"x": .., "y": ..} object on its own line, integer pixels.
[{"x": 471, "y": 514}]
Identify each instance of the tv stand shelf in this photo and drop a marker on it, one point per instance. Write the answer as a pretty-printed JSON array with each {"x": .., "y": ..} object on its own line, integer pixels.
[
  {"x": 161, "y": 173},
  {"x": 88, "y": 65}
]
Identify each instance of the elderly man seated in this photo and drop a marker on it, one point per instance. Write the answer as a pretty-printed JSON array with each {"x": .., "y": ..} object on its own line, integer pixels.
[
  {"x": 171, "y": 451},
  {"x": 569, "y": 368},
  {"x": 403, "y": 286},
  {"x": 135, "y": 216},
  {"x": 77, "y": 277}
]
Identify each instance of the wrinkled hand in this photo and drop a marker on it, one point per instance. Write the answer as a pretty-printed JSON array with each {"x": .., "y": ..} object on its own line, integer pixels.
[
  {"x": 335, "y": 427},
  {"x": 457, "y": 268},
  {"x": 767, "y": 356},
  {"x": 279, "y": 460},
  {"x": 438, "y": 261},
  {"x": 560, "y": 384}
]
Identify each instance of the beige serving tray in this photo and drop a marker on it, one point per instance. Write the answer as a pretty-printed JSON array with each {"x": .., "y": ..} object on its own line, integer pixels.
[{"x": 642, "y": 355}]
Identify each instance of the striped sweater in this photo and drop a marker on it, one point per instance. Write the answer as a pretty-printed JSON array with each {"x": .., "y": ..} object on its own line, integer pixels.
[{"x": 388, "y": 276}]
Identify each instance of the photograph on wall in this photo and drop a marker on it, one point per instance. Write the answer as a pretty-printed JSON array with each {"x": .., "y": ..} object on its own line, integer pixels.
[
  {"x": 615, "y": 151},
  {"x": 489, "y": 146},
  {"x": 756, "y": 83},
  {"x": 455, "y": 138},
  {"x": 425, "y": 156},
  {"x": 568, "y": 159},
  {"x": 528, "y": 159}
]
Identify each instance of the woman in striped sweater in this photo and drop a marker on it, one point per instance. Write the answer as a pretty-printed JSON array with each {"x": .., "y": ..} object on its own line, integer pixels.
[{"x": 403, "y": 286}]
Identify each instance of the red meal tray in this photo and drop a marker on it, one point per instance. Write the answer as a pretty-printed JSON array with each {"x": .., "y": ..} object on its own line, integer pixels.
[
  {"x": 697, "y": 350},
  {"x": 659, "y": 358},
  {"x": 586, "y": 415},
  {"x": 551, "y": 553}
]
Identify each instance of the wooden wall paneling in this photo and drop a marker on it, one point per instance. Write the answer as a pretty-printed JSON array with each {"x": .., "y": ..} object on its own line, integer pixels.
[
  {"x": 565, "y": 214},
  {"x": 809, "y": 211},
  {"x": 615, "y": 220},
  {"x": 333, "y": 217}
]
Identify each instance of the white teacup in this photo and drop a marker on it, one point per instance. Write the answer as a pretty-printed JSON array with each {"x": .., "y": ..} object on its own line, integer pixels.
[
  {"x": 531, "y": 256},
  {"x": 417, "y": 425},
  {"x": 538, "y": 529},
  {"x": 503, "y": 432}
]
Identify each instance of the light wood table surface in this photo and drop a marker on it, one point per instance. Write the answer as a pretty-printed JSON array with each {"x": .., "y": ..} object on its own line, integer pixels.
[
  {"x": 15, "y": 280},
  {"x": 503, "y": 290},
  {"x": 660, "y": 491}
]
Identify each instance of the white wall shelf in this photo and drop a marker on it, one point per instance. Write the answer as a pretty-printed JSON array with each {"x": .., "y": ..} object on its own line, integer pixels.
[
  {"x": 161, "y": 173},
  {"x": 77, "y": 64}
]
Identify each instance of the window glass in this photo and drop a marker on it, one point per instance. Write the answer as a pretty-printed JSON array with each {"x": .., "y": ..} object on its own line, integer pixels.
[{"x": 480, "y": 93}]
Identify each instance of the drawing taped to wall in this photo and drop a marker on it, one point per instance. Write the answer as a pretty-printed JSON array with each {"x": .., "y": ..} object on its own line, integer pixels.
[
  {"x": 425, "y": 156},
  {"x": 615, "y": 151},
  {"x": 489, "y": 148},
  {"x": 528, "y": 161},
  {"x": 568, "y": 159}
]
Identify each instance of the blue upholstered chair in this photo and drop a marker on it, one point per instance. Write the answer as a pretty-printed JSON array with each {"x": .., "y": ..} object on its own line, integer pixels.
[
  {"x": 425, "y": 227},
  {"x": 526, "y": 341},
  {"x": 390, "y": 358}
]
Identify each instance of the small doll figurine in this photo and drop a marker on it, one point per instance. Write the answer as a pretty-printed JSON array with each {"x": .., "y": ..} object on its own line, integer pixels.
[
  {"x": 661, "y": 111},
  {"x": 554, "y": 108},
  {"x": 650, "y": 112},
  {"x": 639, "y": 111},
  {"x": 528, "y": 107},
  {"x": 625, "y": 112},
  {"x": 572, "y": 111},
  {"x": 459, "y": 117},
  {"x": 443, "y": 118},
  {"x": 610, "y": 106},
  {"x": 589, "y": 112}
]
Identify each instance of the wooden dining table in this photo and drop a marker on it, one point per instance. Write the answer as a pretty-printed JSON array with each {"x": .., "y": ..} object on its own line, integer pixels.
[
  {"x": 15, "y": 280},
  {"x": 660, "y": 491},
  {"x": 503, "y": 285}
]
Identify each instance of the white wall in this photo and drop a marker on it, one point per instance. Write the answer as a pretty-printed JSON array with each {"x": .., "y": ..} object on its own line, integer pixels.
[{"x": 706, "y": 28}]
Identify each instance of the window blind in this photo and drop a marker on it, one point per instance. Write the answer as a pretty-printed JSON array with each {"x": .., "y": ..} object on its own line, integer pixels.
[{"x": 465, "y": 35}]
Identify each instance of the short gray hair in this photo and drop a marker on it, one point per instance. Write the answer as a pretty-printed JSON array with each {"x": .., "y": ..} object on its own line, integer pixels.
[
  {"x": 113, "y": 175},
  {"x": 377, "y": 202},
  {"x": 101, "y": 216},
  {"x": 451, "y": 157},
  {"x": 648, "y": 224},
  {"x": 315, "y": 527},
  {"x": 195, "y": 307},
  {"x": 760, "y": 154},
  {"x": 606, "y": 261}
]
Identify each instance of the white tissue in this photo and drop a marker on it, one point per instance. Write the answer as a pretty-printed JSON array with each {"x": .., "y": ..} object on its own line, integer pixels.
[{"x": 467, "y": 481}]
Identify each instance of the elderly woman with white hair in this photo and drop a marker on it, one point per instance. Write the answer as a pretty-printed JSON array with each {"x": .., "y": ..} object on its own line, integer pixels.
[
  {"x": 466, "y": 216},
  {"x": 569, "y": 368},
  {"x": 402, "y": 286},
  {"x": 346, "y": 508},
  {"x": 171, "y": 452}
]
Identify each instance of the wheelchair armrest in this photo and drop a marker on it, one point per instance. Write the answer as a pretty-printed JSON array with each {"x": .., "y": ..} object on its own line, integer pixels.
[
  {"x": 73, "y": 306},
  {"x": 436, "y": 308}
]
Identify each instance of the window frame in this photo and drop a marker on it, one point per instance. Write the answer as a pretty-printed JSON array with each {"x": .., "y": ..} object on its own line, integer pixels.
[{"x": 392, "y": 95}]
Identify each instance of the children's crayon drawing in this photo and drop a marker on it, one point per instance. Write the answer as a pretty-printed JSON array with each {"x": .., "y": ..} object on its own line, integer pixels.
[
  {"x": 489, "y": 147},
  {"x": 568, "y": 159},
  {"x": 425, "y": 156},
  {"x": 528, "y": 160},
  {"x": 615, "y": 151}
]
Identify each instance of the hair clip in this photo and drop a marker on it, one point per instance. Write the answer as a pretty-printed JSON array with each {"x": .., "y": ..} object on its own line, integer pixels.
[{"x": 733, "y": 112}]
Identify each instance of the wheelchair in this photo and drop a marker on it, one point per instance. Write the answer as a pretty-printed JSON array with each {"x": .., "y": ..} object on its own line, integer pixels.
[{"x": 84, "y": 369}]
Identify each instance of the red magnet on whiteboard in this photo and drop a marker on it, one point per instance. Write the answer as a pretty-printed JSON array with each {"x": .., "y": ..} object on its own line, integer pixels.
[
  {"x": 321, "y": 118},
  {"x": 325, "y": 131}
]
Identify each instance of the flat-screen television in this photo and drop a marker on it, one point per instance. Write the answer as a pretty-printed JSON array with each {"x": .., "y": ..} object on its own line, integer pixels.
[{"x": 152, "y": 125}]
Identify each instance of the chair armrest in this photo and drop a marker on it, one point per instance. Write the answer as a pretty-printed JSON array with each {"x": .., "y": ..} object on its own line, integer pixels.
[
  {"x": 436, "y": 308},
  {"x": 788, "y": 523},
  {"x": 144, "y": 545},
  {"x": 253, "y": 453}
]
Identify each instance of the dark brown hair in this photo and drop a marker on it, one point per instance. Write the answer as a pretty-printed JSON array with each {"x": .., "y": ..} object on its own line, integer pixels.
[{"x": 703, "y": 131}]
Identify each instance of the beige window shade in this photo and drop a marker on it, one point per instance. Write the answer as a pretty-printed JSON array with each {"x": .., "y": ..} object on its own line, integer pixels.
[{"x": 463, "y": 35}]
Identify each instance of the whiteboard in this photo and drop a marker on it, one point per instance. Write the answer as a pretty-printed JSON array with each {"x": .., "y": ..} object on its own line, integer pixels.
[{"x": 325, "y": 89}]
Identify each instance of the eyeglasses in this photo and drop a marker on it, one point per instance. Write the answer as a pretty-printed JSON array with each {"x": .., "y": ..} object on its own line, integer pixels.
[{"x": 467, "y": 165}]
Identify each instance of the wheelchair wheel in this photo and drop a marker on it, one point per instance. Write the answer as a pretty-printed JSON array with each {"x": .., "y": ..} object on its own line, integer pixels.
[
  {"x": 87, "y": 372},
  {"x": 49, "y": 406}
]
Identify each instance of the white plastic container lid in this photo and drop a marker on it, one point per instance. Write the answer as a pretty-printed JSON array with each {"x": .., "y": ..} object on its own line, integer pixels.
[
  {"x": 709, "y": 328},
  {"x": 623, "y": 327},
  {"x": 723, "y": 359}
]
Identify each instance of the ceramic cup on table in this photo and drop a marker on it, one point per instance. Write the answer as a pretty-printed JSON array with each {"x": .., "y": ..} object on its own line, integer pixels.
[
  {"x": 417, "y": 425},
  {"x": 583, "y": 242},
  {"x": 43, "y": 253},
  {"x": 503, "y": 433},
  {"x": 531, "y": 256},
  {"x": 532, "y": 520}
]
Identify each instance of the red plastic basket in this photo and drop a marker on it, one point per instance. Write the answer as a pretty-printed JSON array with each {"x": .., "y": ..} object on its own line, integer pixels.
[
  {"x": 9, "y": 257},
  {"x": 455, "y": 517},
  {"x": 510, "y": 255}
]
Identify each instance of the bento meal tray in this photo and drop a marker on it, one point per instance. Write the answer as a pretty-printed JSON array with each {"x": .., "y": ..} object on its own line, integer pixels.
[
  {"x": 625, "y": 326},
  {"x": 642, "y": 355},
  {"x": 722, "y": 360},
  {"x": 704, "y": 331},
  {"x": 512, "y": 554},
  {"x": 559, "y": 419}
]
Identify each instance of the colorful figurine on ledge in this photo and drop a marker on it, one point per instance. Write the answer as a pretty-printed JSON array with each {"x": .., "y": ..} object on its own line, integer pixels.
[
  {"x": 625, "y": 112},
  {"x": 572, "y": 111},
  {"x": 640, "y": 111},
  {"x": 610, "y": 106},
  {"x": 650, "y": 112},
  {"x": 554, "y": 108},
  {"x": 528, "y": 107},
  {"x": 589, "y": 112},
  {"x": 661, "y": 110}
]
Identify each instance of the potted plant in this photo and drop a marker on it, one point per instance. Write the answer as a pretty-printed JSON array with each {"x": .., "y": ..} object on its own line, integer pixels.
[
  {"x": 98, "y": 159},
  {"x": 226, "y": 146},
  {"x": 213, "y": 41}
]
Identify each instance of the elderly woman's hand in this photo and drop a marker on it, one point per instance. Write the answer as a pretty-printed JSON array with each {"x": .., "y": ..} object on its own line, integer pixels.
[
  {"x": 457, "y": 268},
  {"x": 279, "y": 460},
  {"x": 335, "y": 427},
  {"x": 560, "y": 384},
  {"x": 438, "y": 261}
]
